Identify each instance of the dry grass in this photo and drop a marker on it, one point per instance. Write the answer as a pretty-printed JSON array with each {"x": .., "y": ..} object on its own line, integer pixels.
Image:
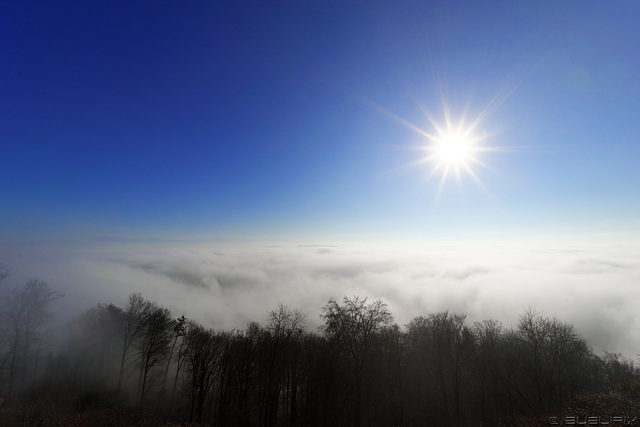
[
  {"x": 623, "y": 400},
  {"x": 97, "y": 410}
]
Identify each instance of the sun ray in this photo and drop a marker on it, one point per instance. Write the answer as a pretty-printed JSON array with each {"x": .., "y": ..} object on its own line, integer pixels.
[{"x": 454, "y": 144}]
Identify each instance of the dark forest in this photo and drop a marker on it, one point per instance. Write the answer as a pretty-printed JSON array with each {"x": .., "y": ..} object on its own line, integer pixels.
[{"x": 140, "y": 365}]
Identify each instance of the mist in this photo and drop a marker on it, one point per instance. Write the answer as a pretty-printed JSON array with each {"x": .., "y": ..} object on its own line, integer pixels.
[{"x": 590, "y": 283}]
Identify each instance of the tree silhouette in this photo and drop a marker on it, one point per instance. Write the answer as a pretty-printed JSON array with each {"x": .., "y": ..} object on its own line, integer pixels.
[
  {"x": 202, "y": 352},
  {"x": 24, "y": 313},
  {"x": 132, "y": 320},
  {"x": 178, "y": 332},
  {"x": 153, "y": 346},
  {"x": 357, "y": 369},
  {"x": 353, "y": 326}
]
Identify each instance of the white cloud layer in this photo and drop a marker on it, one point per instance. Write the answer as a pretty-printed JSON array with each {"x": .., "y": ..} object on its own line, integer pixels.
[{"x": 224, "y": 285}]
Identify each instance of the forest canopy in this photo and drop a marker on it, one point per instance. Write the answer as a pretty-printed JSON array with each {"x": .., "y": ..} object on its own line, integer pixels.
[{"x": 358, "y": 368}]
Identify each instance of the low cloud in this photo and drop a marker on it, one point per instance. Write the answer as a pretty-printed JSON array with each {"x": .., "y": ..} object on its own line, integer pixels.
[
  {"x": 226, "y": 285},
  {"x": 464, "y": 273}
]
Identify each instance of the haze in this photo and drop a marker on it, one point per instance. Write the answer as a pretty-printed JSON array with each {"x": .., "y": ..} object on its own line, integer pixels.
[{"x": 273, "y": 154}]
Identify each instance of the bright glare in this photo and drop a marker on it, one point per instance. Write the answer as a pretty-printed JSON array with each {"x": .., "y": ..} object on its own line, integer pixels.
[{"x": 453, "y": 149}]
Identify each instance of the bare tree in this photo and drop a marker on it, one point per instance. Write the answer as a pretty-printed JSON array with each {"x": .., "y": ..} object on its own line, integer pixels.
[
  {"x": 284, "y": 322},
  {"x": 178, "y": 332},
  {"x": 133, "y": 323},
  {"x": 354, "y": 326},
  {"x": 94, "y": 337},
  {"x": 153, "y": 345},
  {"x": 201, "y": 356},
  {"x": 284, "y": 326},
  {"x": 242, "y": 359},
  {"x": 182, "y": 352},
  {"x": 453, "y": 349},
  {"x": 489, "y": 369},
  {"x": 619, "y": 371},
  {"x": 24, "y": 312},
  {"x": 553, "y": 359}
]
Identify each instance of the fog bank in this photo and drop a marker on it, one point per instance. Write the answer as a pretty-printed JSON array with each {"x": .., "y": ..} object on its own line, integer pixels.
[{"x": 226, "y": 284}]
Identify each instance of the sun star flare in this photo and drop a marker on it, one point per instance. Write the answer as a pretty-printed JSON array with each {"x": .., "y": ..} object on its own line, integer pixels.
[{"x": 453, "y": 150}]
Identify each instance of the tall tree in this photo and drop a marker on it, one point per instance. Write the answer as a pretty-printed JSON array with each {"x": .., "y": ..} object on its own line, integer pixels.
[
  {"x": 354, "y": 325},
  {"x": 24, "y": 313},
  {"x": 453, "y": 346},
  {"x": 201, "y": 356},
  {"x": 178, "y": 332},
  {"x": 95, "y": 334},
  {"x": 153, "y": 345},
  {"x": 284, "y": 327},
  {"x": 132, "y": 326},
  {"x": 489, "y": 369},
  {"x": 553, "y": 353}
]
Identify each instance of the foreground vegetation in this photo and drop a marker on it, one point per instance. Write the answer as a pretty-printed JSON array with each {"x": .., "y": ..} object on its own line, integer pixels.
[
  {"x": 578, "y": 411},
  {"x": 138, "y": 365}
]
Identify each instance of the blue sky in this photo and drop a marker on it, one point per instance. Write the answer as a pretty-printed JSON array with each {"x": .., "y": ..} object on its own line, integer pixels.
[
  {"x": 282, "y": 126},
  {"x": 265, "y": 119}
]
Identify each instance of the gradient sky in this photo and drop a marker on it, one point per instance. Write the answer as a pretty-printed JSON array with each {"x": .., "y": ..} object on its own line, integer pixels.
[
  {"x": 291, "y": 134},
  {"x": 276, "y": 119}
]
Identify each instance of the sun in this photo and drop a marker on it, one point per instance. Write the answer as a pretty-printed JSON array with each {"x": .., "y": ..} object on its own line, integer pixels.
[
  {"x": 453, "y": 145},
  {"x": 453, "y": 149}
]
